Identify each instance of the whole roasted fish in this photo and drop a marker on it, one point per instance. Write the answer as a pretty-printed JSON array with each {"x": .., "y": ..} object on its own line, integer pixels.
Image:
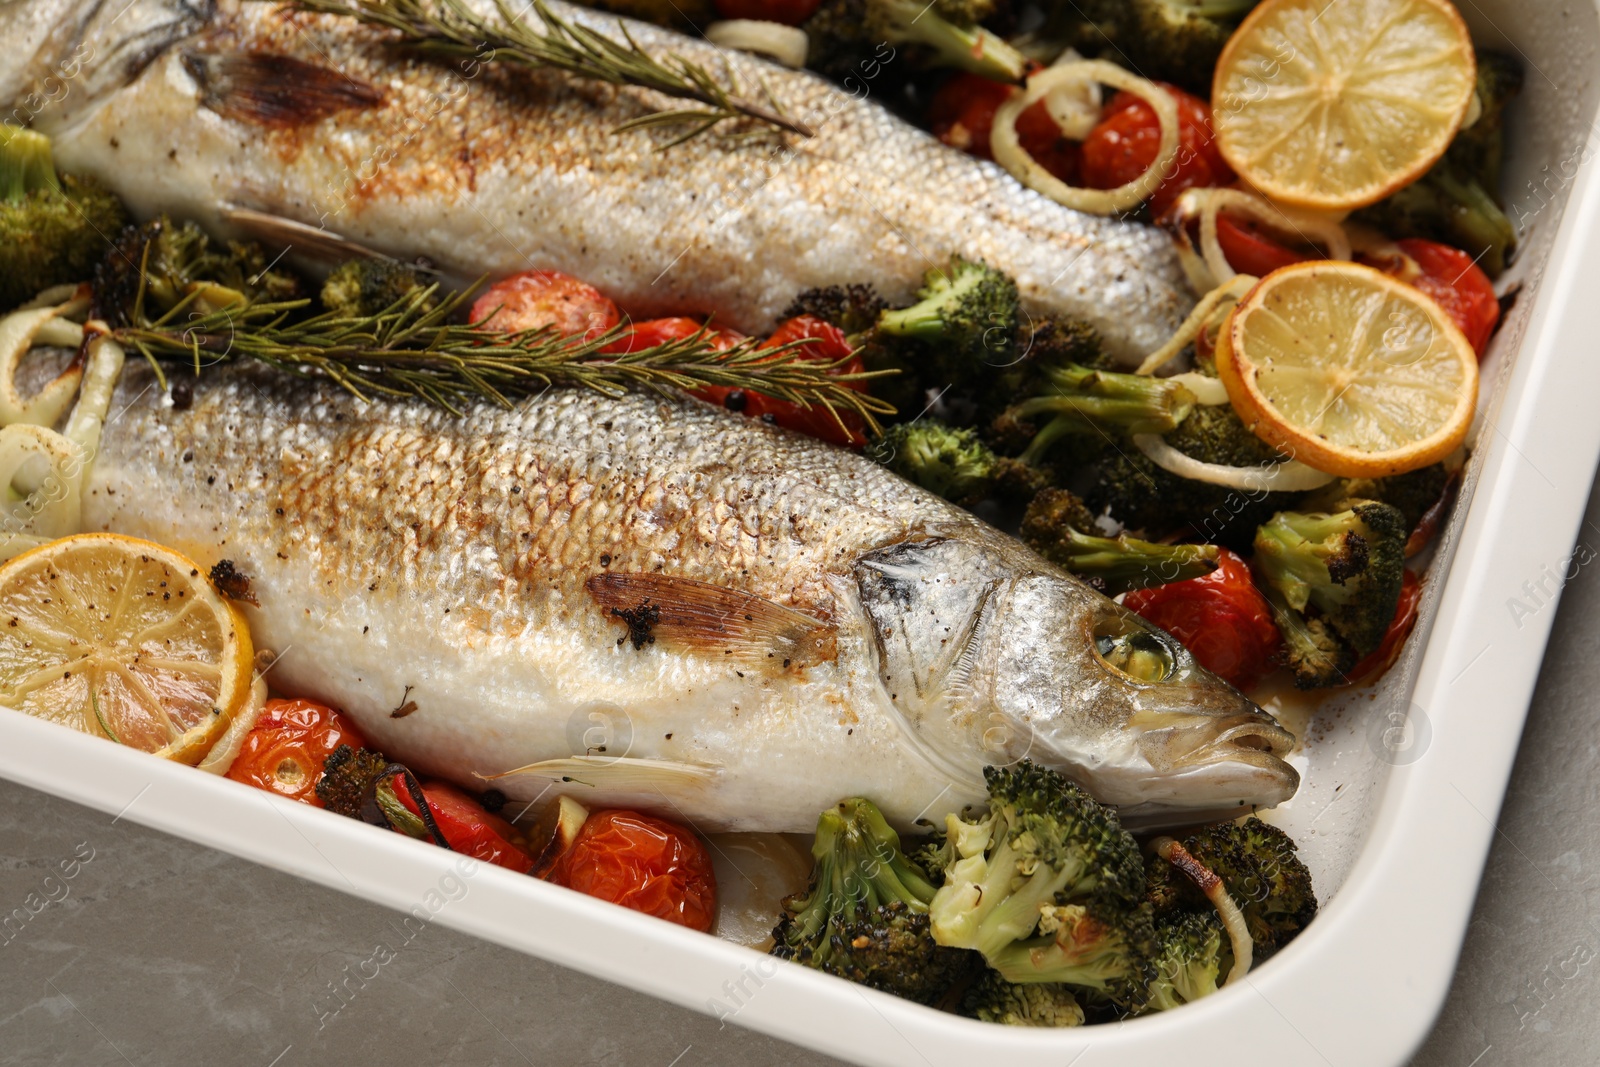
[
  {"x": 209, "y": 108},
  {"x": 645, "y": 601}
]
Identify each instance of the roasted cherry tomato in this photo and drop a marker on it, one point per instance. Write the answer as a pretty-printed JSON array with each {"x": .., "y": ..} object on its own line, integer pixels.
[
  {"x": 1457, "y": 283},
  {"x": 537, "y": 298},
  {"x": 1220, "y": 617},
  {"x": 1249, "y": 249},
  {"x": 468, "y": 827},
  {"x": 285, "y": 750},
  {"x": 961, "y": 115},
  {"x": 829, "y": 344},
  {"x": 644, "y": 863},
  {"x": 788, "y": 12},
  {"x": 654, "y": 332},
  {"x": 1128, "y": 138},
  {"x": 1380, "y": 659}
]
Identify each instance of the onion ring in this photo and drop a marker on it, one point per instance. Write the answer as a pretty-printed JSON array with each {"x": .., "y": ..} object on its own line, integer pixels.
[
  {"x": 1007, "y": 148},
  {"x": 1290, "y": 476}
]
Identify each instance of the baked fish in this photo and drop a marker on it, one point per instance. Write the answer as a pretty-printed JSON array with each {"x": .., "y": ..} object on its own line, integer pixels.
[
  {"x": 646, "y": 602},
  {"x": 222, "y": 111}
]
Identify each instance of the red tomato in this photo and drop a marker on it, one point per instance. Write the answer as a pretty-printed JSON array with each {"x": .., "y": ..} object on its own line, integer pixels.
[
  {"x": 654, "y": 332},
  {"x": 961, "y": 115},
  {"x": 1380, "y": 659},
  {"x": 1221, "y": 617},
  {"x": 643, "y": 863},
  {"x": 1250, "y": 251},
  {"x": 1459, "y": 286},
  {"x": 537, "y": 298},
  {"x": 1128, "y": 138},
  {"x": 467, "y": 826},
  {"x": 829, "y": 345},
  {"x": 285, "y": 750},
  {"x": 788, "y": 12}
]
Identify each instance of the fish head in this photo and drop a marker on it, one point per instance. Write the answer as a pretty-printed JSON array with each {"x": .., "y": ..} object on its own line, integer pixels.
[
  {"x": 993, "y": 656},
  {"x": 63, "y": 56}
]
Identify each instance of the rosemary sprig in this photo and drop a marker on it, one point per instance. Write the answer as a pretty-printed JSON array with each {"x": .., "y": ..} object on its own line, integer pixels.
[
  {"x": 449, "y": 28},
  {"x": 413, "y": 350}
]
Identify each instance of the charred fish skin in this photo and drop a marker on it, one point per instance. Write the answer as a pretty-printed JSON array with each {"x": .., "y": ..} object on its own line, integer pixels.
[
  {"x": 649, "y": 602},
  {"x": 486, "y": 169}
]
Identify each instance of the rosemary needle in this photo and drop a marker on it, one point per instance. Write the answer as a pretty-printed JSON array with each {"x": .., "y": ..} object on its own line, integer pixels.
[
  {"x": 412, "y": 349},
  {"x": 450, "y": 28}
]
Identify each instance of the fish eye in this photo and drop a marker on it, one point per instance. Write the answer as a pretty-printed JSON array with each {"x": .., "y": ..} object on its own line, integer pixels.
[{"x": 1142, "y": 655}]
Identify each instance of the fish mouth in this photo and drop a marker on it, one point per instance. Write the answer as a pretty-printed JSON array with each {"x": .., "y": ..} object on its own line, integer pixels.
[{"x": 1250, "y": 737}]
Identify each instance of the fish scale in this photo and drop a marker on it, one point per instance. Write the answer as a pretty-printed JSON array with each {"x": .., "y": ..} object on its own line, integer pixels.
[
  {"x": 864, "y": 636},
  {"x": 511, "y": 169}
]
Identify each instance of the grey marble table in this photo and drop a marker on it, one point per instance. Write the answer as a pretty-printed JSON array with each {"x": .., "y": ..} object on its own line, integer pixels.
[{"x": 164, "y": 952}]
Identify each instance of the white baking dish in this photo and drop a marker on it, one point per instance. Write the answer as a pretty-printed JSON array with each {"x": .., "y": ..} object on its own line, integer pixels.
[{"x": 1402, "y": 785}]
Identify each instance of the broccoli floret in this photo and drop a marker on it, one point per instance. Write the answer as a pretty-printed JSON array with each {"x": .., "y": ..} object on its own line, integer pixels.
[
  {"x": 349, "y": 776},
  {"x": 967, "y": 312},
  {"x": 1099, "y": 404},
  {"x": 995, "y": 1000},
  {"x": 364, "y": 287},
  {"x": 1457, "y": 200},
  {"x": 1343, "y": 569},
  {"x": 942, "y": 459},
  {"x": 182, "y": 263},
  {"x": 53, "y": 228},
  {"x": 1316, "y": 654},
  {"x": 845, "y": 37},
  {"x": 865, "y": 915},
  {"x": 1047, "y": 886},
  {"x": 1178, "y": 41},
  {"x": 852, "y": 308},
  {"x": 1261, "y": 867},
  {"x": 1061, "y": 529},
  {"x": 1145, "y": 497},
  {"x": 1193, "y": 952},
  {"x": 1413, "y": 493}
]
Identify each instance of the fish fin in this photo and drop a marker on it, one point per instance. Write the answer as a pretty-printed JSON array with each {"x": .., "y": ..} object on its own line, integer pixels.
[
  {"x": 302, "y": 238},
  {"x": 695, "y": 616},
  {"x": 274, "y": 90},
  {"x": 620, "y": 774}
]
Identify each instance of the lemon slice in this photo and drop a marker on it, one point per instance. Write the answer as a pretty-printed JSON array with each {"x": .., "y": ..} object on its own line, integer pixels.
[
  {"x": 1348, "y": 370},
  {"x": 1335, "y": 104},
  {"x": 125, "y": 639}
]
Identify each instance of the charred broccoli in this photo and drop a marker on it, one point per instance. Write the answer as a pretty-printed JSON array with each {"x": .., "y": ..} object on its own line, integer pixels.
[
  {"x": 1047, "y": 886},
  {"x": 180, "y": 262},
  {"x": 967, "y": 313},
  {"x": 865, "y": 915},
  {"x": 1192, "y": 953},
  {"x": 942, "y": 459},
  {"x": 364, "y": 287},
  {"x": 850, "y": 36},
  {"x": 1261, "y": 867},
  {"x": 349, "y": 776},
  {"x": 1457, "y": 200},
  {"x": 1177, "y": 41},
  {"x": 53, "y": 228},
  {"x": 1413, "y": 493},
  {"x": 1145, "y": 497},
  {"x": 1061, "y": 529},
  {"x": 995, "y": 1000},
  {"x": 1097, "y": 403},
  {"x": 1334, "y": 580},
  {"x": 852, "y": 308}
]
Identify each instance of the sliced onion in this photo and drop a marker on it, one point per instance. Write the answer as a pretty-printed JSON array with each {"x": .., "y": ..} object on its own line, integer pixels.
[
  {"x": 1230, "y": 292},
  {"x": 786, "y": 44},
  {"x": 19, "y": 332},
  {"x": 99, "y": 382},
  {"x": 1304, "y": 226},
  {"x": 1075, "y": 106},
  {"x": 1290, "y": 476},
  {"x": 1216, "y": 891},
  {"x": 1007, "y": 148},
  {"x": 72, "y": 299},
  {"x": 1208, "y": 392},
  {"x": 227, "y": 747}
]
